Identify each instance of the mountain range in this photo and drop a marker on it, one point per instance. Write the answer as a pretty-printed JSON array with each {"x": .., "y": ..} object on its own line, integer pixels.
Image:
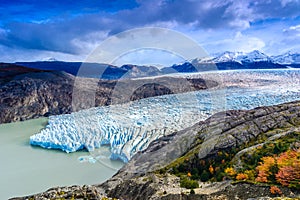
[
  {"x": 253, "y": 56},
  {"x": 222, "y": 61},
  {"x": 238, "y": 60}
]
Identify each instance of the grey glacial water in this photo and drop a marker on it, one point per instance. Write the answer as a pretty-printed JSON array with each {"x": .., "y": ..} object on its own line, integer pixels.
[{"x": 25, "y": 169}]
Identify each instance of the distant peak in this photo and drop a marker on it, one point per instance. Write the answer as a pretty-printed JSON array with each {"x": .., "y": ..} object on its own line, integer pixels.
[
  {"x": 51, "y": 59},
  {"x": 290, "y": 57},
  {"x": 235, "y": 56}
]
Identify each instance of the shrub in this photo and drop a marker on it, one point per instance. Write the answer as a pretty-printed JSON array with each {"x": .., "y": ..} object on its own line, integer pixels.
[
  {"x": 242, "y": 176},
  {"x": 250, "y": 174},
  {"x": 264, "y": 169},
  {"x": 211, "y": 169},
  {"x": 219, "y": 176},
  {"x": 283, "y": 169},
  {"x": 230, "y": 171},
  {"x": 204, "y": 176},
  {"x": 275, "y": 190},
  {"x": 189, "y": 184}
]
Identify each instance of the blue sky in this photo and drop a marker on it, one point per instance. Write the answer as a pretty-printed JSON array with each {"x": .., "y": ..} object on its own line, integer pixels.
[{"x": 70, "y": 30}]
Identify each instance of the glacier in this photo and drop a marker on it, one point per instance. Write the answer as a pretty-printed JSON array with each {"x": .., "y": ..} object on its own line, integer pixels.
[{"x": 129, "y": 128}]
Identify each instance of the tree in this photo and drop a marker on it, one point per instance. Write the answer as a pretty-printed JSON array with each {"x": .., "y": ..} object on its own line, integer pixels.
[
  {"x": 289, "y": 168},
  {"x": 283, "y": 169},
  {"x": 264, "y": 169}
]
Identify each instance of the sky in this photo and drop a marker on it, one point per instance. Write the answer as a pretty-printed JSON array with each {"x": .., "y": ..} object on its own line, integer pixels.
[{"x": 71, "y": 30}]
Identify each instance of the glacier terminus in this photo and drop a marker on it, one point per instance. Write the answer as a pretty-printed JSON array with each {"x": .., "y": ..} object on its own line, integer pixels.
[{"x": 129, "y": 128}]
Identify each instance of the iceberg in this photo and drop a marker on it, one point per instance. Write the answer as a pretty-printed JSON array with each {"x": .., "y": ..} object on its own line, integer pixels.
[{"x": 129, "y": 128}]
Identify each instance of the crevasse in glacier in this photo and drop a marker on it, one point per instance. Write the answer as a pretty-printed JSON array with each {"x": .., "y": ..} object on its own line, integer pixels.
[{"x": 130, "y": 127}]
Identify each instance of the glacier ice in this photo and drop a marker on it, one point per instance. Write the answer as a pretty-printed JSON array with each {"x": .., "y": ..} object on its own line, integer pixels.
[{"x": 131, "y": 127}]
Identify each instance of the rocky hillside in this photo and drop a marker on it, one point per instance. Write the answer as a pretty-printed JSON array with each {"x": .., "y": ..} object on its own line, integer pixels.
[
  {"x": 27, "y": 93},
  {"x": 214, "y": 159}
]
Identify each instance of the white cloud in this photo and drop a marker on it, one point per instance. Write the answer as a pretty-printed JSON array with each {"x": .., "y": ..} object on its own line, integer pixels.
[
  {"x": 239, "y": 42},
  {"x": 152, "y": 57},
  {"x": 89, "y": 42},
  {"x": 297, "y": 27},
  {"x": 11, "y": 55}
]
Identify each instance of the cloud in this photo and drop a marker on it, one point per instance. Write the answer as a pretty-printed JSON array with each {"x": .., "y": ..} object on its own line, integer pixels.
[
  {"x": 239, "y": 42},
  {"x": 297, "y": 27},
  {"x": 275, "y": 9},
  {"x": 19, "y": 55},
  {"x": 152, "y": 57},
  {"x": 57, "y": 34},
  {"x": 76, "y": 27}
]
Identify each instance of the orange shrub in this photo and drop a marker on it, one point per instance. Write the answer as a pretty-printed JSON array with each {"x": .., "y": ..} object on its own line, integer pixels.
[
  {"x": 264, "y": 169},
  {"x": 211, "y": 169},
  {"x": 289, "y": 167},
  {"x": 288, "y": 164},
  {"x": 288, "y": 158},
  {"x": 275, "y": 190},
  {"x": 242, "y": 176}
]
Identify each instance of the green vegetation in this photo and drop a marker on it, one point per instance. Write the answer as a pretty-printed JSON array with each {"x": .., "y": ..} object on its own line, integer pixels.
[
  {"x": 186, "y": 182},
  {"x": 274, "y": 162}
]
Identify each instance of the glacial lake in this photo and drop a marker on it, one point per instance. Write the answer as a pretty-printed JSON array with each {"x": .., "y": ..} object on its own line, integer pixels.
[{"x": 25, "y": 169}]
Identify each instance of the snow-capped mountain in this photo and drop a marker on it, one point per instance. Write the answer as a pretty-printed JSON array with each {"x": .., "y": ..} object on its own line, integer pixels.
[
  {"x": 240, "y": 57},
  {"x": 287, "y": 58},
  {"x": 228, "y": 56},
  {"x": 254, "y": 56}
]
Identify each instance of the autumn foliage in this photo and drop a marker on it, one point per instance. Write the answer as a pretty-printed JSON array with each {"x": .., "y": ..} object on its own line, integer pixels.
[
  {"x": 241, "y": 176},
  {"x": 230, "y": 171},
  {"x": 283, "y": 169},
  {"x": 264, "y": 169},
  {"x": 275, "y": 190}
]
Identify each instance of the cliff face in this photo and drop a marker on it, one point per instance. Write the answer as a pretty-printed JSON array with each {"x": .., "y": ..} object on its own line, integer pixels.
[
  {"x": 33, "y": 95},
  {"x": 150, "y": 174},
  {"x": 29, "y": 93}
]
